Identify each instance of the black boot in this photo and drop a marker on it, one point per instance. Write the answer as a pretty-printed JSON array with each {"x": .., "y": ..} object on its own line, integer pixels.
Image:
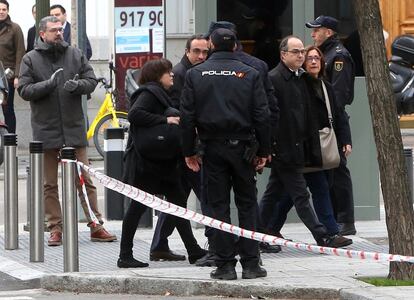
[
  {"x": 253, "y": 272},
  {"x": 225, "y": 272}
]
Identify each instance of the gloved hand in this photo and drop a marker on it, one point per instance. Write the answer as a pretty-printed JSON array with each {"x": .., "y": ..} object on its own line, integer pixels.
[
  {"x": 72, "y": 84},
  {"x": 56, "y": 77}
]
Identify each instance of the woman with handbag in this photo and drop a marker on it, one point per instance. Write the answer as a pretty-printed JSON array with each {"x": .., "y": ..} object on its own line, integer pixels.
[
  {"x": 152, "y": 161},
  {"x": 325, "y": 115}
]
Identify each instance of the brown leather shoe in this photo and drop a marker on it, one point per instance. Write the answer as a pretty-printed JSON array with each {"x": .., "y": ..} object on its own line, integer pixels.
[
  {"x": 55, "y": 239},
  {"x": 102, "y": 236}
]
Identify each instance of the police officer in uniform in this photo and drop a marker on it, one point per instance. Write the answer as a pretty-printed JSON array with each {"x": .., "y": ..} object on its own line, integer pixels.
[
  {"x": 224, "y": 102},
  {"x": 263, "y": 69},
  {"x": 340, "y": 72}
]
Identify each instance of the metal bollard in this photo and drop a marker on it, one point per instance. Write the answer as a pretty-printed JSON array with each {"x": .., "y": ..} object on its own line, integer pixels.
[
  {"x": 37, "y": 211},
  {"x": 11, "y": 222},
  {"x": 70, "y": 218},
  {"x": 26, "y": 227},
  {"x": 113, "y": 160}
]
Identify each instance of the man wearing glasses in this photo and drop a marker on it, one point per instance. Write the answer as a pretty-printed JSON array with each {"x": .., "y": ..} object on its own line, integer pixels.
[
  {"x": 196, "y": 51},
  {"x": 294, "y": 128},
  {"x": 53, "y": 77},
  {"x": 340, "y": 72}
]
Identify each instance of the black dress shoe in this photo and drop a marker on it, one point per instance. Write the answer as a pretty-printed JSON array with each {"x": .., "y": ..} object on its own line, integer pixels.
[
  {"x": 335, "y": 241},
  {"x": 267, "y": 248},
  {"x": 165, "y": 255},
  {"x": 208, "y": 260},
  {"x": 347, "y": 229},
  {"x": 130, "y": 263},
  {"x": 226, "y": 272},
  {"x": 194, "y": 257},
  {"x": 253, "y": 272}
]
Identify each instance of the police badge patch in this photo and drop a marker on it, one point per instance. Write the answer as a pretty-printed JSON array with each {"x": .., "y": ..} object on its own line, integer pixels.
[{"x": 338, "y": 65}]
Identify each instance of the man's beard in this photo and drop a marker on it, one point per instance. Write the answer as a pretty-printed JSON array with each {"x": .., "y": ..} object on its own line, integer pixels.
[{"x": 57, "y": 46}]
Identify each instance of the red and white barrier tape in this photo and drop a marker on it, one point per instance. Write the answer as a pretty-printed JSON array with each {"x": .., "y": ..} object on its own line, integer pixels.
[
  {"x": 167, "y": 207},
  {"x": 92, "y": 215}
]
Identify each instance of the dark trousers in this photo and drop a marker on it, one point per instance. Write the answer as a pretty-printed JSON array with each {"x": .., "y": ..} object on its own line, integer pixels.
[
  {"x": 129, "y": 227},
  {"x": 318, "y": 185},
  {"x": 8, "y": 110},
  {"x": 174, "y": 194},
  {"x": 290, "y": 182},
  {"x": 165, "y": 226},
  {"x": 342, "y": 193},
  {"x": 226, "y": 169},
  {"x": 197, "y": 182}
]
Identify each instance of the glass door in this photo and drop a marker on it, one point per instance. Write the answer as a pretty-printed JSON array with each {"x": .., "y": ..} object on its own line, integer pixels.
[{"x": 261, "y": 24}]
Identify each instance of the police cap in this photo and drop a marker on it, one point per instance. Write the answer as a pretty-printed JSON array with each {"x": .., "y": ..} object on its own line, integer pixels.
[
  {"x": 324, "y": 21},
  {"x": 223, "y": 39}
]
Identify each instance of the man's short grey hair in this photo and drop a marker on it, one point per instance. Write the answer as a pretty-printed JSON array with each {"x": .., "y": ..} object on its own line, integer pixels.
[
  {"x": 283, "y": 47},
  {"x": 43, "y": 22}
]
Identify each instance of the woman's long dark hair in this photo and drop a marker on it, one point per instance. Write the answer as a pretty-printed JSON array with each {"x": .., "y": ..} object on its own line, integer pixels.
[
  {"x": 153, "y": 70},
  {"x": 310, "y": 48}
]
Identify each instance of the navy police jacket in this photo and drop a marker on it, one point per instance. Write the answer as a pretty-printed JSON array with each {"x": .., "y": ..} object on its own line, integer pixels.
[
  {"x": 340, "y": 70},
  {"x": 224, "y": 98}
]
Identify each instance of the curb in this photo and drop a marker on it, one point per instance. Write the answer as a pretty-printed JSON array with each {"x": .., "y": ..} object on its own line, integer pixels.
[{"x": 124, "y": 284}]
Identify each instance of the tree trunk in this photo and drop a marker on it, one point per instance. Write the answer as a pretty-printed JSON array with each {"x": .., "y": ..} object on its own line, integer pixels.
[{"x": 394, "y": 179}]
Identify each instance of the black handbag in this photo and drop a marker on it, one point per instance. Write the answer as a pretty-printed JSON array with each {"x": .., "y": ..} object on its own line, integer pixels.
[{"x": 159, "y": 142}]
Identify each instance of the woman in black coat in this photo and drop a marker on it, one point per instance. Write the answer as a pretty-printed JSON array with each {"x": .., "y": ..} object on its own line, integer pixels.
[
  {"x": 155, "y": 173},
  {"x": 317, "y": 181}
]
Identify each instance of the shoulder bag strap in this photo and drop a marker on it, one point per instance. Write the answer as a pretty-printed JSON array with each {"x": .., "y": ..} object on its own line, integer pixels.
[{"x": 327, "y": 102}]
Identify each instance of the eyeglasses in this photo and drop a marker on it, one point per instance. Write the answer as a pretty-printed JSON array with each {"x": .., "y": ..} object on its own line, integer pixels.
[
  {"x": 54, "y": 30},
  {"x": 198, "y": 51},
  {"x": 313, "y": 58},
  {"x": 297, "y": 51}
]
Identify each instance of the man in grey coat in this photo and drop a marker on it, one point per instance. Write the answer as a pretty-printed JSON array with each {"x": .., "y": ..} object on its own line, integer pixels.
[{"x": 53, "y": 77}]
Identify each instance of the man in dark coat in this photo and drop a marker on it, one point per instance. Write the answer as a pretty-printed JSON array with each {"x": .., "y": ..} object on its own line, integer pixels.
[
  {"x": 340, "y": 72},
  {"x": 31, "y": 33},
  {"x": 59, "y": 12},
  {"x": 196, "y": 50},
  {"x": 224, "y": 103},
  {"x": 53, "y": 77},
  {"x": 294, "y": 129}
]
